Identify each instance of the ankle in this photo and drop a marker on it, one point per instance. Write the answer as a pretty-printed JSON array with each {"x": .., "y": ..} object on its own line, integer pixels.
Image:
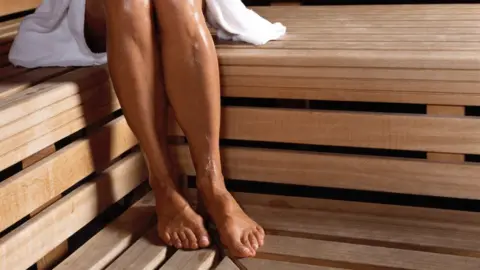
[{"x": 211, "y": 186}]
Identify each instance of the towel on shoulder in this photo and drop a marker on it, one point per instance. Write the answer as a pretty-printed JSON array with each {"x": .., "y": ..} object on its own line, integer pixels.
[{"x": 54, "y": 34}]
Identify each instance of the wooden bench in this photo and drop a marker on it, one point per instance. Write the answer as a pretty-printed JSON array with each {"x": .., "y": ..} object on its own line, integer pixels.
[{"x": 367, "y": 102}]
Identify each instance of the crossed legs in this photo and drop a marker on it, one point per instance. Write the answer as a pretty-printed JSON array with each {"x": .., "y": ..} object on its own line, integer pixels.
[{"x": 174, "y": 62}]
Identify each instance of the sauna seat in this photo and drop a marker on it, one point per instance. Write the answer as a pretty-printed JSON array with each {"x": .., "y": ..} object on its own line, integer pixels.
[{"x": 377, "y": 98}]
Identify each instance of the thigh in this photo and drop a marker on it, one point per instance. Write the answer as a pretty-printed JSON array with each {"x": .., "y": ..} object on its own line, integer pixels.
[{"x": 95, "y": 25}]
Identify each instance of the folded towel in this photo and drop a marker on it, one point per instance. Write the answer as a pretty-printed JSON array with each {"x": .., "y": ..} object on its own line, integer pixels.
[{"x": 54, "y": 34}]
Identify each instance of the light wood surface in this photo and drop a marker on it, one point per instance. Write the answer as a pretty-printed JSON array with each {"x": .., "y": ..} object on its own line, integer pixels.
[
  {"x": 53, "y": 175},
  {"x": 109, "y": 243},
  {"x": 8, "y": 6},
  {"x": 363, "y": 255},
  {"x": 261, "y": 264},
  {"x": 51, "y": 227},
  {"x": 348, "y": 171},
  {"x": 352, "y": 129},
  {"x": 190, "y": 260},
  {"x": 145, "y": 254},
  {"x": 227, "y": 264}
]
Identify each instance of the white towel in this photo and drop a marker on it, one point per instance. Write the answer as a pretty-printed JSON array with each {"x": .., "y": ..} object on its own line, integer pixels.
[{"x": 54, "y": 34}]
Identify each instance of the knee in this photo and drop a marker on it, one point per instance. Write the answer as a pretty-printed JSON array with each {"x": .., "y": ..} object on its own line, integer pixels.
[
  {"x": 129, "y": 9},
  {"x": 180, "y": 15}
]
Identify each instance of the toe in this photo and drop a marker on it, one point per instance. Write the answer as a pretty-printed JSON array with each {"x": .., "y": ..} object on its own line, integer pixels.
[
  {"x": 184, "y": 239},
  {"x": 192, "y": 239},
  {"x": 202, "y": 237},
  {"x": 166, "y": 238},
  {"x": 176, "y": 240},
  {"x": 253, "y": 241},
  {"x": 240, "y": 250},
  {"x": 260, "y": 237},
  {"x": 246, "y": 243}
]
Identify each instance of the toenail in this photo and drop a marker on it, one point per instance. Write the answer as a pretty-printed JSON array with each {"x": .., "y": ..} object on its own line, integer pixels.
[
  {"x": 204, "y": 240},
  {"x": 247, "y": 251},
  {"x": 255, "y": 246}
]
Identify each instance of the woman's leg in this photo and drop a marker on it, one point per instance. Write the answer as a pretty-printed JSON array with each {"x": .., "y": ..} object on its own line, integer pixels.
[
  {"x": 193, "y": 88},
  {"x": 135, "y": 70}
]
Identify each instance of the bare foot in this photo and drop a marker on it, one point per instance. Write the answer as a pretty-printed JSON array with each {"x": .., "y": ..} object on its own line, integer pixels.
[
  {"x": 178, "y": 225},
  {"x": 238, "y": 232}
]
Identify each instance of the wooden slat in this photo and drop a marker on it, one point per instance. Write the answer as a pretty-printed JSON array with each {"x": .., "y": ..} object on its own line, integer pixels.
[
  {"x": 9, "y": 7},
  {"x": 369, "y": 130},
  {"x": 292, "y": 36},
  {"x": 355, "y": 73},
  {"x": 49, "y": 92},
  {"x": 53, "y": 134},
  {"x": 53, "y": 175},
  {"x": 260, "y": 264},
  {"x": 365, "y": 45},
  {"x": 227, "y": 264},
  {"x": 88, "y": 112},
  {"x": 45, "y": 231},
  {"x": 362, "y": 255},
  {"x": 76, "y": 103},
  {"x": 418, "y": 234},
  {"x": 425, "y": 10},
  {"x": 147, "y": 254},
  {"x": 446, "y": 111},
  {"x": 367, "y": 23},
  {"x": 352, "y": 95},
  {"x": 350, "y": 172},
  {"x": 190, "y": 260},
  {"x": 350, "y": 58},
  {"x": 23, "y": 81},
  {"x": 394, "y": 212},
  {"x": 110, "y": 242},
  {"x": 355, "y": 84}
]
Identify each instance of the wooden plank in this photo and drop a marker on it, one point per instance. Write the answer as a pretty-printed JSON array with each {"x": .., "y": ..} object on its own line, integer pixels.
[
  {"x": 147, "y": 254},
  {"x": 82, "y": 103},
  {"x": 110, "y": 242},
  {"x": 9, "y": 7},
  {"x": 349, "y": 171},
  {"x": 364, "y": 45},
  {"x": 44, "y": 94},
  {"x": 53, "y": 175},
  {"x": 88, "y": 112},
  {"x": 362, "y": 255},
  {"x": 46, "y": 230},
  {"x": 190, "y": 260},
  {"x": 403, "y": 233},
  {"x": 425, "y": 10},
  {"x": 446, "y": 111},
  {"x": 354, "y": 84},
  {"x": 350, "y": 58},
  {"x": 227, "y": 264},
  {"x": 260, "y": 264},
  {"x": 292, "y": 36},
  {"x": 61, "y": 250},
  {"x": 23, "y": 81},
  {"x": 45, "y": 152},
  {"x": 354, "y": 73},
  {"x": 352, "y": 95},
  {"x": 316, "y": 22},
  {"x": 371, "y": 130},
  {"x": 51, "y": 134},
  {"x": 470, "y": 219}
]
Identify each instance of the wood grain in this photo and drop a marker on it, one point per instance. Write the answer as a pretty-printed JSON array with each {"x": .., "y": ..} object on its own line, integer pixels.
[
  {"x": 367, "y": 130},
  {"x": 348, "y": 171},
  {"x": 404, "y": 233},
  {"x": 51, "y": 227},
  {"x": 190, "y": 260},
  {"x": 260, "y": 264},
  {"x": 355, "y": 254},
  {"x": 114, "y": 239},
  {"x": 53, "y": 175},
  {"x": 145, "y": 254},
  {"x": 9, "y": 7},
  {"x": 227, "y": 264}
]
